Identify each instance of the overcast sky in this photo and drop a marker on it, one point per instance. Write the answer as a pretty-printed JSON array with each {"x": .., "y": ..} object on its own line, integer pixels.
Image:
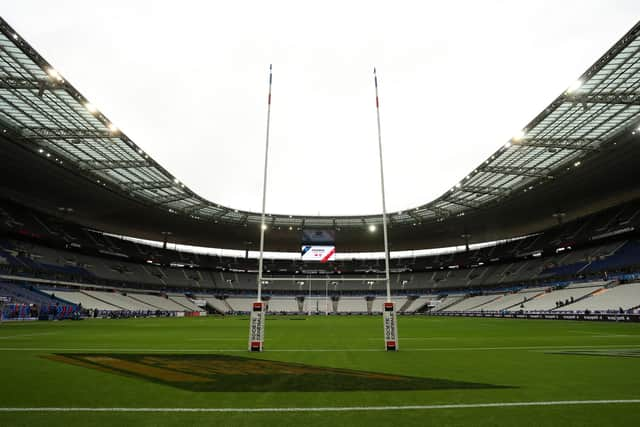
[{"x": 187, "y": 81}]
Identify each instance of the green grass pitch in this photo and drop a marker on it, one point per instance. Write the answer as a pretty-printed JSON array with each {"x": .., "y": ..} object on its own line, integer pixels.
[{"x": 320, "y": 362}]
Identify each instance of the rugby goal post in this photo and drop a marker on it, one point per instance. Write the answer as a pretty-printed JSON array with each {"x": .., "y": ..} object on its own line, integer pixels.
[
  {"x": 388, "y": 314},
  {"x": 258, "y": 308}
]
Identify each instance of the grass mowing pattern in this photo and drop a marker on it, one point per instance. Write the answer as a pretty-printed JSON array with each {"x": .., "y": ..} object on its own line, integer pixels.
[{"x": 520, "y": 354}]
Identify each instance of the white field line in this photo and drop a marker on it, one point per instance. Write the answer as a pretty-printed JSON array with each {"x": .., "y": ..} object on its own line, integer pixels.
[
  {"x": 319, "y": 350},
  {"x": 6, "y": 337},
  {"x": 418, "y": 338},
  {"x": 333, "y": 409},
  {"x": 614, "y": 336}
]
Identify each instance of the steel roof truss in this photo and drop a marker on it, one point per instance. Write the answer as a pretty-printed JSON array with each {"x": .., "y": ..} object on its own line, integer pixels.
[
  {"x": 62, "y": 133},
  {"x": 532, "y": 172},
  {"x": 96, "y": 165},
  {"x": 146, "y": 185},
  {"x": 606, "y": 98}
]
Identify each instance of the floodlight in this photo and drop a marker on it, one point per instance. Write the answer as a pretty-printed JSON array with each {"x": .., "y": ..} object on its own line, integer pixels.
[
  {"x": 574, "y": 86},
  {"x": 518, "y": 136},
  {"x": 92, "y": 108},
  {"x": 54, "y": 74},
  {"x": 372, "y": 228}
]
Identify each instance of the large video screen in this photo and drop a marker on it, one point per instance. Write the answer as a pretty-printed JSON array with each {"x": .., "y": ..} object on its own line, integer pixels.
[
  {"x": 318, "y": 253},
  {"x": 318, "y": 237}
]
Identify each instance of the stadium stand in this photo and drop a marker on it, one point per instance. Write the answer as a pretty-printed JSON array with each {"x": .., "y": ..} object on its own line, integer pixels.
[
  {"x": 26, "y": 294},
  {"x": 282, "y": 305},
  {"x": 216, "y": 304},
  {"x": 318, "y": 304},
  {"x": 29, "y": 302},
  {"x": 472, "y": 302},
  {"x": 242, "y": 304},
  {"x": 622, "y": 297},
  {"x": 378, "y": 303},
  {"x": 121, "y": 301},
  {"x": 503, "y": 277},
  {"x": 184, "y": 302},
  {"x": 581, "y": 264},
  {"x": 511, "y": 300},
  {"x": 447, "y": 301},
  {"x": 84, "y": 300},
  {"x": 558, "y": 298},
  {"x": 161, "y": 303},
  {"x": 353, "y": 305},
  {"x": 419, "y": 303}
]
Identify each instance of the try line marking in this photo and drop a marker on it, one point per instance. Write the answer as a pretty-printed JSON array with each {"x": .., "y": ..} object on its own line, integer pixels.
[
  {"x": 332, "y": 409},
  {"x": 619, "y": 346}
]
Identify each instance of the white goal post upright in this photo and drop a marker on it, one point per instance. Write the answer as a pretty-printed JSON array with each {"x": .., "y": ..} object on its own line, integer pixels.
[
  {"x": 388, "y": 313},
  {"x": 258, "y": 308}
]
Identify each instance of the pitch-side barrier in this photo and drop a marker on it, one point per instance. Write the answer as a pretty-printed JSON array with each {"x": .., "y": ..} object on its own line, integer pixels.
[{"x": 610, "y": 317}]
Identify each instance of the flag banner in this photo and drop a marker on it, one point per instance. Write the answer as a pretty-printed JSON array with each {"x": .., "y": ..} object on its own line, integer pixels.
[
  {"x": 256, "y": 326},
  {"x": 390, "y": 327}
]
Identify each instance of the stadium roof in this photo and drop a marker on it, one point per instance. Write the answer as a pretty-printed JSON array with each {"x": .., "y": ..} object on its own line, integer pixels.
[{"x": 46, "y": 115}]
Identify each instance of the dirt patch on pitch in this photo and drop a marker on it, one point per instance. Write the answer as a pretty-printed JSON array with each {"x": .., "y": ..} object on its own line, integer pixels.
[{"x": 242, "y": 374}]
